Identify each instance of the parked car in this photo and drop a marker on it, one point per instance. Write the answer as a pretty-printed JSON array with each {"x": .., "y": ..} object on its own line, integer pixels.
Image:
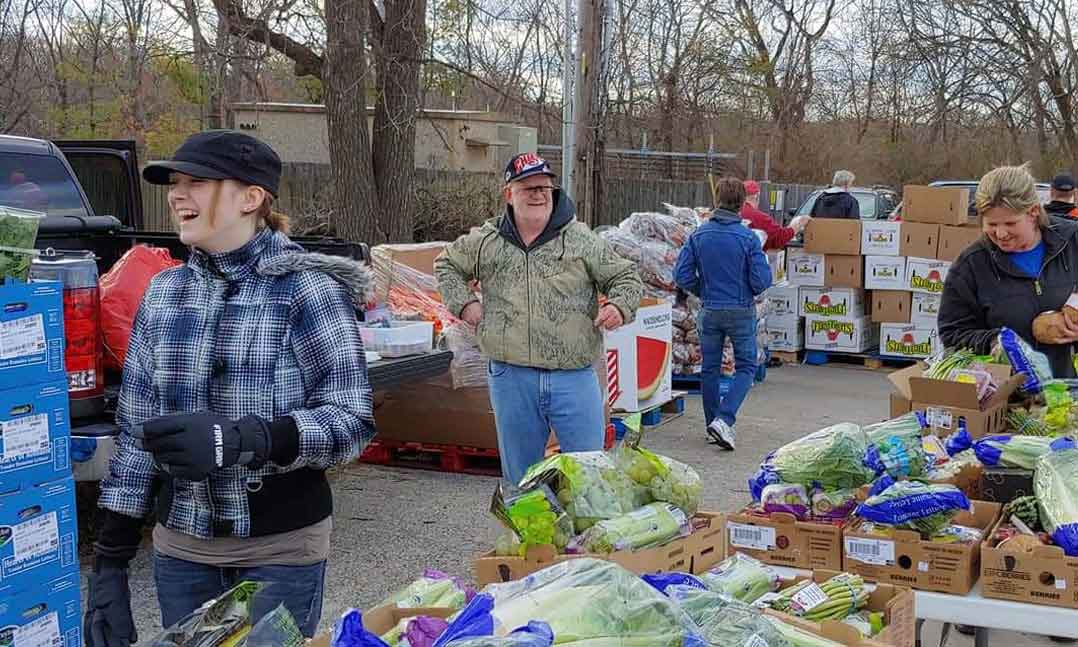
[
  {"x": 876, "y": 203},
  {"x": 1043, "y": 192}
]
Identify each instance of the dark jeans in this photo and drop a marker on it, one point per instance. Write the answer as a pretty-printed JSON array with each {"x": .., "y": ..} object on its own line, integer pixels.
[
  {"x": 714, "y": 327},
  {"x": 185, "y": 586}
]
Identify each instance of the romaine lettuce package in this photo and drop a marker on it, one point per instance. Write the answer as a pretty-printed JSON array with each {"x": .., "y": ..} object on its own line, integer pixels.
[
  {"x": 830, "y": 459},
  {"x": 914, "y": 505},
  {"x": 741, "y": 577},
  {"x": 590, "y": 485},
  {"x": 652, "y": 525},
  {"x": 1055, "y": 484},
  {"x": 592, "y": 602},
  {"x": 1034, "y": 364},
  {"x": 895, "y": 447},
  {"x": 786, "y": 497},
  {"x": 1017, "y": 451},
  {"x": 725, "y": 621},
  {"x": 434, "y": 589}
]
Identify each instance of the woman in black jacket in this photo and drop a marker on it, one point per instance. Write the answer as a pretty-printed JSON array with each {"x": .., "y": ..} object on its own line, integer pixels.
[{"x": 1025, "y": 264}]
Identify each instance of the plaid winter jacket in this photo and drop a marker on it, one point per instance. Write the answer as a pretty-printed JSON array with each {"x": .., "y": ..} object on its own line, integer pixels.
[{"x": 267, "y": 330}]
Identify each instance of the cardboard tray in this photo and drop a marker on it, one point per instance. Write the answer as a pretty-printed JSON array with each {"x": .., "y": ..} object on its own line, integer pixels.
[
  {"x": 896, "y": 603},
  {"x": 797, "y": 544},
  {"x": 920, "y": 564},
  {"x": 677, "y": 555},
  {"x": 1045, "y": 576},
  {"x": 381, "y": 619}
]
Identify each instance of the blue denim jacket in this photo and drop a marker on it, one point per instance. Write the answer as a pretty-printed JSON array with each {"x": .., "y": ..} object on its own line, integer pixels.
[{"x": 723, "y": 263}]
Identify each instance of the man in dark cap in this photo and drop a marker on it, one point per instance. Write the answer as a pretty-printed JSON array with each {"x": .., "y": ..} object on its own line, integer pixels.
[{"x": 1062, "y": 194}]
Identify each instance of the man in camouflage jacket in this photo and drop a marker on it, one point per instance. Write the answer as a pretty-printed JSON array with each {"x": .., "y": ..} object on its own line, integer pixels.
[{"x": 539, "y": 323}]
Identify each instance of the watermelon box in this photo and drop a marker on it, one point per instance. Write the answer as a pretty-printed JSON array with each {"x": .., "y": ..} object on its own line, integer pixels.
[{"x": 638, "y": 359}]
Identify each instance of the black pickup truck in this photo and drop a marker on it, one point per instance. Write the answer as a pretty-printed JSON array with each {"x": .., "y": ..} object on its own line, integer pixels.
[{"x": 92, "y": 196}]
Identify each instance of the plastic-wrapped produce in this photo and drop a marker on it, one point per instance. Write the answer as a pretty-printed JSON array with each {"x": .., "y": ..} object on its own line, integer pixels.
[
  {"x": 589, "y": 485},
  {"x": 657, "y": 227},
  {"x": 1056, "y": 486},
  {"x": 468, "y": 366},
  {"x": 786, "y": 497},
  {"x": 434, "y": 589},
  {"x": 652, "y": 525},
  {"x": 741, "y": 577},
  {"x": 692, "y": 337},
  {"x": 832, "y": 458},
  {"x": 725, "y": 621},
  {"x": 682, "y": 318},
  {"x": 688, "y": 216},
  {"x": 914, "y": 505}
]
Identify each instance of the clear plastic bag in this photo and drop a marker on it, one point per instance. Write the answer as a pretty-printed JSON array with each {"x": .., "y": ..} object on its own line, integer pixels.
[
  {"x": 741, "y": 577},
  {"x": 722, "y": 620},
  {"x": 224, "y": 618},
  {"x": 277, "y": 628},
  {"x": 433, "y": 589},
  {"x": 18, "y": 231},
  {"x": 1056, "y": 485},
  {"x": 652, "y": 525},
  {"x": 831, "y": 459},
  {"x": 657, "y": 227},
  {"x": 468, "y": 368},
  {"x": 590, "y": 486}
]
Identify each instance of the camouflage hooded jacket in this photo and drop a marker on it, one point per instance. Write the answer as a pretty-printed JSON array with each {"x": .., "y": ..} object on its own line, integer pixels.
[{"x": 539, "y": 301}]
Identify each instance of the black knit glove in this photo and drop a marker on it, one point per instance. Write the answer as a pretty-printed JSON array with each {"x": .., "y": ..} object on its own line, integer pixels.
[{"x": 193, "y": 445}]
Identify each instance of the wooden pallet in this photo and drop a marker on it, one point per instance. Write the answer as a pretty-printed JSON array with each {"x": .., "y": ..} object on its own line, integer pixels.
[
  {"x": 429, "y": 456},
  {"x": 788, "y": 357},
  {"x": 870, "y": 361}
]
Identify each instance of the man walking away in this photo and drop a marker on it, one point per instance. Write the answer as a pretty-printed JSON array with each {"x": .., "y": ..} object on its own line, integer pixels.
[
  {"x": 836, "y": 201},
  {"x": 1062, "y": 194},
  {"x": 724, "y": 264},
  {"x": 539, "y": 322},
  {"x": 777, "y": 235}
]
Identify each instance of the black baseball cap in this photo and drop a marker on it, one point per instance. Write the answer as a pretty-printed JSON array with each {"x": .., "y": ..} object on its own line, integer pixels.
[
  {"x": 1063, "y": 182},
  {"x": 526, "y": 165},
  {"x": 221, "y": 155}
]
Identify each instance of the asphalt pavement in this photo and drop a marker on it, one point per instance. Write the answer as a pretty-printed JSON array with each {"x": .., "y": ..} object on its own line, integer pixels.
[{"x": 390, "y": 524}]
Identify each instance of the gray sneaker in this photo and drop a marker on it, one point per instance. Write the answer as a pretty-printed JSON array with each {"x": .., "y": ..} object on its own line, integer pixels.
[{"x": 722, "y": 433}]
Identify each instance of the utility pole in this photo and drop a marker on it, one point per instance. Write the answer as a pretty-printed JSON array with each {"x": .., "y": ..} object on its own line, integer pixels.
[
  {"x": 567, "y": 131},
  {"x": 588, "y": 110}
]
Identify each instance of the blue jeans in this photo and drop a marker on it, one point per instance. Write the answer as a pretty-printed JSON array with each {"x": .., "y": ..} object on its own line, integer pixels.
[
  {"x": 714, "y": 327},
  {"x": 528, "y": 402},
  {"x": 184, "y": 586}
]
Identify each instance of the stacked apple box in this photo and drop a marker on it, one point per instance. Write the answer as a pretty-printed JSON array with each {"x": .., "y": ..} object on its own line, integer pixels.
[{"x": 829, "y": 273}]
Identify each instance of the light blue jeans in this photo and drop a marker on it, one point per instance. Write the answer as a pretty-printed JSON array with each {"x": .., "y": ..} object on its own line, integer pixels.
[
  {"x": 714, "y": 327},
  {"x": 528, "y": 402}
]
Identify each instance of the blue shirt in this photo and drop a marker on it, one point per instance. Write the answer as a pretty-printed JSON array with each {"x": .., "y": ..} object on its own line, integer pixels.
[{"x": 1029, "y": 261}]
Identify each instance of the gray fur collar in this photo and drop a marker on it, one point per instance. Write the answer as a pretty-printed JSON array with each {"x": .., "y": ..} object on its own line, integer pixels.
[{"x": 353, "y": 275}]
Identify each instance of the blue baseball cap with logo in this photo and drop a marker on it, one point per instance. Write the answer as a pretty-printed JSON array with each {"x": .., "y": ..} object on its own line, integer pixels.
[{"x": 526, "y": 165}]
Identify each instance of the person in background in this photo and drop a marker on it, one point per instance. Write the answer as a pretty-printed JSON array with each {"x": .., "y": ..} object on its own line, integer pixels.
[
  {"x": 836, "y": 201},
  {"x": 723, "y": 263},
  {"x": 540, "y": 272},
  {"x": 1062, "y": 194},
  {"x": 1025, "y": 264},
  {"x": 777, "y": 235}
]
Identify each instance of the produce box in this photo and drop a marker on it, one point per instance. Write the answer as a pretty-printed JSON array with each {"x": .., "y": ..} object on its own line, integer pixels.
[
  {"x": 881, "y": 238},
  {"x": 1044, "y": 576},
  {"x": 896, "y": 603},
  {"x": 899, "y": 405},
  {"x": 35, "y": 432},
  {"x": 381, "y": 619},
  {"x": 891, "y": 306},
  {"x": 785, "y": 333},
  {"x": 779, "y": 538},
  {"x": 924, "y": 310},
  {"x": 782, "y": 299},
  {"x": 844, "y": 271},
  {"x": 908, "y": 560},
  {"x": 48, "y": 613},
  {"x": 954, "y": 240},
  {"x": 41, "y": 525},
  {"x": 1005, "y": 484},
  {"x": 840, "y": 334},
  {"x": 968, "y": 479},
  {"x": 926, "y": 275},
  {"x": 919, "y": 239},
  {"x": 947, "y": 403},
  {"x": 674, "y": 556},
  {"x": 803, "y": 268},
  {"x": 31, "y": 332},
  {"x": 907, "y": 340},
  {"x": 937, "y": 205},
  {"x": 833, "y": 236},
  {"x": 638, "y": 358},
  {"x": 885, "y": 272},
  {"x": 831, "y": 302},
  {"x": 776, "y": 258}
]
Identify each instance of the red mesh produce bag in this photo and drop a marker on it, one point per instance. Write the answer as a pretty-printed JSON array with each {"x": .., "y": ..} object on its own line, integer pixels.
[{"x": 122, "y": 288}]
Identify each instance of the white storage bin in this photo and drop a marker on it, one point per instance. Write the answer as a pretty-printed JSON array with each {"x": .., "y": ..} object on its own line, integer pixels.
[{"x": 401, "y": 338}]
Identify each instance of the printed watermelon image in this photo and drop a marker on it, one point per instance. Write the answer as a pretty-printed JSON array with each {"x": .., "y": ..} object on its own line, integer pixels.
[{"x": 652, "y": 360}]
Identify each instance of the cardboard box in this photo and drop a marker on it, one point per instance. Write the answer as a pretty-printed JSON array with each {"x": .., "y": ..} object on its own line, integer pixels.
[
  {"x": 833, "y": 236},
  {"x": 967, "y": 479},
  {"x": 381, "y": 619},
  {"x": 844, "y": 271},
  {"x": 919, "y": 239},
  {"x": 924, "y": 310},
  {"x": 640, "y": 350},
  {"x": 881, "y": 238},
  {"x": 803, "y": 268},
  {"x": 776, "y": 258},
  {"x": 782, "y": 299},
  {"x": 44, "y": 534},
  {"x": 926, "y": 275},
  {"x": 464, "y": 416},
  {"x": 831, "y": 302},
  {"x": 49, "y": 613},
  {"x": 907, "y": 560},
  {"x": 891, "y": 306},
  {"x": 418, "y": 256},
  {"x": 900, "y": 405},
  {"x": 779, "y": 538},
  {"x": 785, "y": 333},
  {"x": 885, "y": 272},
  {"x": 907, "y": 340},
  {"x": 31, "y": 332},
  {"x": 938, "y": 205},
  {"x": 35, "y": 432},
  {"x": 1005, "y": 484},
  {"x": 676, "y": 555},
  {"x": 954, "y": 240},
  {"x": 895, "y": 602},
  {"x": 947, "y": 404},
  {"x": 838, "y": 334},
  {"x": 1044, "y": 576}
]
